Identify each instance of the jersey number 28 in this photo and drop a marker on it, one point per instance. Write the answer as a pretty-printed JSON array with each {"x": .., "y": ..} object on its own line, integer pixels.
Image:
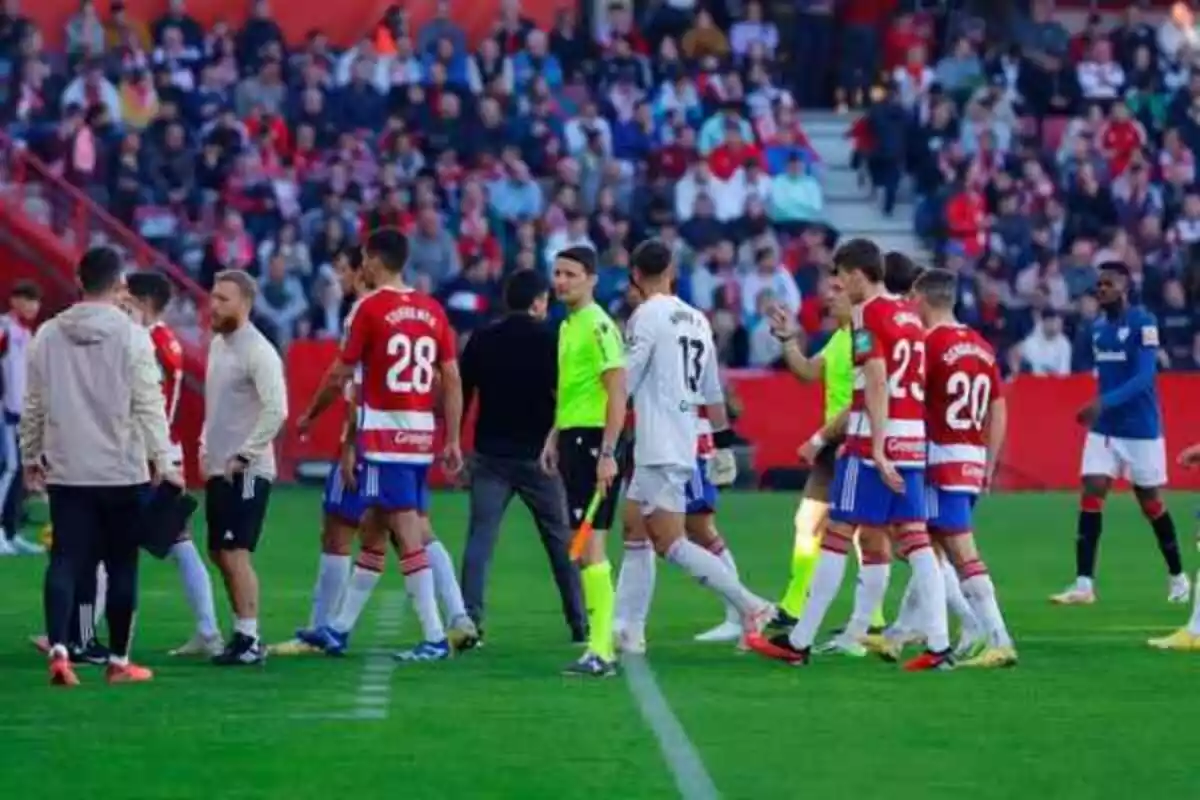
[
  {"x": 692, "y": 353},
  {"x": 970, "y": 399},
  {"x": 412, "y": 371}
]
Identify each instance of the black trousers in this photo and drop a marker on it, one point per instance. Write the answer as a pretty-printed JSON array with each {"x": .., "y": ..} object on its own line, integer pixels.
[
  {"x": 494, "y": 481},
  {"x": 93, "y": 524}
]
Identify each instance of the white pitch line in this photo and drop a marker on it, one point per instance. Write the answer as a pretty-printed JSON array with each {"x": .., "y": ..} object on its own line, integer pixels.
[{"x": 687, "y": 768}]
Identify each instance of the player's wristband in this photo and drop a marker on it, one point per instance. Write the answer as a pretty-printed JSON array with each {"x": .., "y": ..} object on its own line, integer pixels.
[
  {"x": 723, "y": 439},
  {"x": 818, "y": 441},
  {"x": 241, "y": 459},
  {"x": 791, "y": 337},
  {"x": 608, "y": 452}
]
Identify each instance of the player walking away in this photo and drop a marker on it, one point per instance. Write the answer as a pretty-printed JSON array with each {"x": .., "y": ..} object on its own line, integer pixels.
[
  {"x": 149, "y": 295},
  {"x": 1125, "y": 435},
  {"x": 402, "y": 342},
  {"x": 966, "y": 419},
  {"x": 245, "y": 406},
  {"x": 715, "y": 466},
  {"x": 879, "y": 484},
  {"x": 588, "y": 418},
  {"x": 1187, "y": 637},
  {"x": 16, "y": 333},
  {"x": 672, "y": 371}
]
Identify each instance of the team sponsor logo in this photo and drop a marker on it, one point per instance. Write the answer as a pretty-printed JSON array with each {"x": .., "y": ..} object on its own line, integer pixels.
[
  {"x": 1150, "y": 336},
  {"x": 416, "y": 439},
  {"x": 905, "y": 449}
]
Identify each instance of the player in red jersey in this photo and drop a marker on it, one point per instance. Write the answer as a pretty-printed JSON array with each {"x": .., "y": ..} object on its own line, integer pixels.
[
  {"x": 966, "y": 419},
  {"x": 403, "y": 342},
  {"x": 149, "y": 296},
  {"x": 879, "y": 484}
]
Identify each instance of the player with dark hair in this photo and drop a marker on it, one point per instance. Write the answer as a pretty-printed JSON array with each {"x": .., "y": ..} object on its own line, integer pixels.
[
  {"x": 1125, "y": 436},
  {"x": 16, "y": 334},
  {"x": 879, "y": 484},
  {"x": 403, "y": 343},
  {"x": 900, "y": 273}
]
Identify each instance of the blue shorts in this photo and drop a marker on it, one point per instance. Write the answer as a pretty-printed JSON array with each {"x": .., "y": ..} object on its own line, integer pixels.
[
  {"x": 340, "y": 500},
  {"x": 395, "y": 487},
  {"x": 700, "y": 493},
  {"x": 859, "y": 496},
  {"x": 949, "y": 512}
]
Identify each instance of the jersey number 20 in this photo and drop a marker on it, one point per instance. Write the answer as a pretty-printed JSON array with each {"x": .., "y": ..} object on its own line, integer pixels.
[
  {"x": 412, "y": 371},
  {"x": 970, "y": 399},
  {"x": 692, "y": 353}
]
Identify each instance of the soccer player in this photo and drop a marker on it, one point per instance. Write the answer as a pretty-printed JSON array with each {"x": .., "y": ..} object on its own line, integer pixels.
[
  {"x": 403, "y": 343},
  {"x": 1124, "y": 435},
  {"x": 582, "y": 445},
  {"x": 16, "y": 334},
  {"x": 879, "y": 484},
  {"x": 966, "y": 419},
  {"x": 149, "y": 295},
  {"x": 1187, "y": 637},
  {"x": 672, "y": 371}
]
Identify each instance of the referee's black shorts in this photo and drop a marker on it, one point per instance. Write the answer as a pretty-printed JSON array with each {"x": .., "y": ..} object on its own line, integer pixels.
[
  {"x": 820, "y": 474},
  {"x": 235, "y": 511},
  {"x": 578, "y": 454}
]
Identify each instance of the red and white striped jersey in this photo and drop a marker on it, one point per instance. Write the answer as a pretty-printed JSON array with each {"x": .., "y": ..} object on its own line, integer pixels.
[
  {"x": 887, "y": 328},
  {"x": 400, "y": 338},
  {"x": 169, "y": 354},
  {"x": 962, "y": 382}
]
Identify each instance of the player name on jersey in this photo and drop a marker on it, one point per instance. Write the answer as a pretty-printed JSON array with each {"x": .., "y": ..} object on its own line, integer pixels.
[
  {"x": 887, "y": 328},
  {"x": 962, "y": 382}
]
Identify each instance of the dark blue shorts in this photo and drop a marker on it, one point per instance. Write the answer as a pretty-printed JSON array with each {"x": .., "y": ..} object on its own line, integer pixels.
[
  {"x": 700, "y": 493},
  {"x": 949, "y": 512},
  {"x": 340, "y": 500},
  {"x": 395, "y": 487},
  {"x": 860, "y": 497}
]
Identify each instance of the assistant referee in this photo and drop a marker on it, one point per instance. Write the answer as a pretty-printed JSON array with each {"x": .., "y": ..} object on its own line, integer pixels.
[
  {"x": 588, "y": 418},
  {"x": 512, "y": 367}
]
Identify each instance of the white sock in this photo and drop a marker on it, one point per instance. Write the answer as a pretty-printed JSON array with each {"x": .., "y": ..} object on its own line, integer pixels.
[
  {"x": 726, "y": 556},
  {"x": 333, "y": 573},
  {"x": 197, "y": 586},
  {"x": 101, "y": 593},
  {"x": 635, "y": 586},
  {"x": 957, "y": 603},
  {"x": 711, "y": 572},
  {"x": 868, "y": 594},
  {"x": 246, "y": 626},
  {"x": 358, "y": 591},
  {"x": 931, "y": 589},
  {"x": 118, "y": 661},
  {"x": 1194, "y": 624},
  {"x": 826, "y": 582},
  {"x": 445, "y": 581},
  {"x": 908, "y": 618},
  {"x": 981, "y": 593},
  {"x": 419, "y": 583},
  {"x": 1085, "y": 584},
  {"x": 87, "y": 623}
]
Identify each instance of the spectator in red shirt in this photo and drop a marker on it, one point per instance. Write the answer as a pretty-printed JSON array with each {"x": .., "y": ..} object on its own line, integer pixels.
[
  {"x": 1120, "y": 137},
  {"x": 672, "y": 161},
  {"x": 733, "y": 153},
  {"x": 966, "y": 220}
]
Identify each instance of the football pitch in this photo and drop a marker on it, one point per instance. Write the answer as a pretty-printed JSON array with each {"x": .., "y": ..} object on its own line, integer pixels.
[{"x": 1090, "y": 713}]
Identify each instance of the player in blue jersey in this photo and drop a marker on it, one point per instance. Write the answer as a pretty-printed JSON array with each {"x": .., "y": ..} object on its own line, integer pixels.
[{"x": 1125, "y": 437}]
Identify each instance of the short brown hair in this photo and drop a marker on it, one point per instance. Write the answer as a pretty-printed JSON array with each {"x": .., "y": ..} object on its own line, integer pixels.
[
  {"x": 241, "y": 280},
  {"x": 26, "y": 290},
  {"x": 862, "y": 255},
  {"x": 900, "y": 272},
  {"x": 939, "y": 287}
]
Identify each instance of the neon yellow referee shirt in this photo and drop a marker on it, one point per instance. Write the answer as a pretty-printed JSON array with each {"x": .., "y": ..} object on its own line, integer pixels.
[
  {"x": 589, "y": 345},
  {"x": 839, "y": 372}
]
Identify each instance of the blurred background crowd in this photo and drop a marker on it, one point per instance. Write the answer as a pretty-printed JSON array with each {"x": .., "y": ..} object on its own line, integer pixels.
[{"x": 1027, "y": 153}]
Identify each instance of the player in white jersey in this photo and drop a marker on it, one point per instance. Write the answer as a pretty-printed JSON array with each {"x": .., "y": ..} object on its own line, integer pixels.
[{"x": 672, "y": 371}]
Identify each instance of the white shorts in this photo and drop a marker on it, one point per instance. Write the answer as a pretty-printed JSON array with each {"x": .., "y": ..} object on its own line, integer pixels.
[
  {"x": 660, "y": 488},
  {"x": 1142, "y": 461}
]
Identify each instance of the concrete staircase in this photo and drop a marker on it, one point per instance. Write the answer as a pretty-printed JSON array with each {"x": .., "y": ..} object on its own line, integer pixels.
[{"x": 848, "y": 206}]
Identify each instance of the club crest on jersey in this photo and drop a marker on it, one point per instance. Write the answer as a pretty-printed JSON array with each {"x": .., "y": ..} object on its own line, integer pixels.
[
  {"x": 863, "y": 342},
  {"x": 1122, "y": 334},
  {"x": 1150, "y": 336}
]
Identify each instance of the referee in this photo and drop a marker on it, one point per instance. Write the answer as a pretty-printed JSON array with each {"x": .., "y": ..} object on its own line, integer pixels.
[
  {"x": 245, "y": 406},
  {"x": 588, "y": 419},
  {"x": 93, "y": 423},
  {"x": 512, "y": 366}
]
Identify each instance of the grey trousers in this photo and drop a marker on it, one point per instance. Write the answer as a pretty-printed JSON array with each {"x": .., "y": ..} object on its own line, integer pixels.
[{"x": 494, "y": 481}]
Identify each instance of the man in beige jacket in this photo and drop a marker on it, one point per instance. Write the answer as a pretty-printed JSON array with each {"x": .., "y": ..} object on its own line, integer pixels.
[{"x": 93, "y": 424}]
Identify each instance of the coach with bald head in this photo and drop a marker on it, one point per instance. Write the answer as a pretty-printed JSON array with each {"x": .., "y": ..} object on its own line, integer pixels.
[{"x": 245, "y": 406}]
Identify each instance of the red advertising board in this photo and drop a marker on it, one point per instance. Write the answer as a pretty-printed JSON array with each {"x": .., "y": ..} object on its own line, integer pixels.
[{"x": 779, "y": 413}]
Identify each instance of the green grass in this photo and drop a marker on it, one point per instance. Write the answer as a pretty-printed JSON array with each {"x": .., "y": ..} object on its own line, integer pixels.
[{"x": 1090, "y": 713}]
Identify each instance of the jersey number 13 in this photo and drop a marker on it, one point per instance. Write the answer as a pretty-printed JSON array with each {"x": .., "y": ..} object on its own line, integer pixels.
[{"x": 692, "y": 353}]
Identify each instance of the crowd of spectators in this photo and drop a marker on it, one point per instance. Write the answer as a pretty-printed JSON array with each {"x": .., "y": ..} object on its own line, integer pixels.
[
  {"x": 1038, "y": 155},
  {"x": 231, "y": 149}
]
